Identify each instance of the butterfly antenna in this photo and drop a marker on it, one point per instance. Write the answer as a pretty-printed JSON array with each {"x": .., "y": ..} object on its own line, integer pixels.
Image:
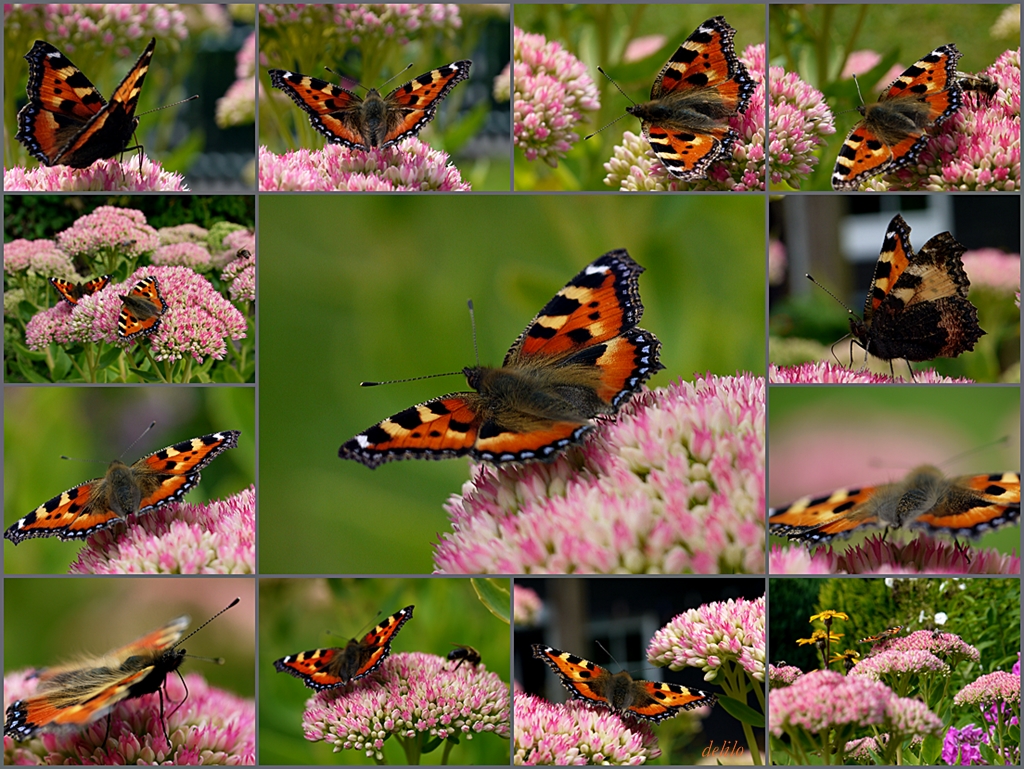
[
  {"x": 166, "y": 106},
  {"x": 211, "y": 619},
  {"x": 472, "y": 323},
  {"x": 410, "y": 379},
  {"x": 625, "y": 114},
  {"x": 409, "y": 66},
  {"x": 860, "y": 96},
  {"x": 76, "y": 459},
  {"x": 841, "y": 302},
  {"x": 346, "y": 77}
]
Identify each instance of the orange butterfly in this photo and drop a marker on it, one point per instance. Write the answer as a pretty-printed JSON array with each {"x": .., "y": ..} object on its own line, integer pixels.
[
  {"x": 327, "y": 668},
  {"x": 887, "y": 633},
  {"x": 71, "y": 292},
  {"x": 620, "y": 692},
  {"x": 141, "y": 310}
]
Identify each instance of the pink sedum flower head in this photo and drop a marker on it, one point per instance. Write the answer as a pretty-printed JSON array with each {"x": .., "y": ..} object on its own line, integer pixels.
[
  {"x": 238, "y": 105},
  {"x": 947, "y": 647},
  {"x": 109, "y": 228},
  {"x": 799, "y": 122},
  {"x": 115, "y": 26},
  {"x": 823, "y": 700},
  {"x": 552, "y": 93},
  {"x": 782, "y": 676},
  {"x": 41, "y": 257},
  {"x": 190, "y": 255},
  {"x": 413, "y": 697},
  {"x": 826, "y": 372},
  {"x": 978, "y": 148},
  {"x": 526, "y": 606},
  {"x": 410, "y": 166},
  {"x": 799, "y": 560},
  {"x": 241, "y": 275},
  {"x": 212, "y": 726},
  {"x": 634, "y": 167},
  {"x": 109, "y": 175},
  {"x": 182, "y": 233},
  {"x": 712, "y": 636},
  {"x": 575, "y": 734},
  {"x": 890, "y": 666},
  {"x": 991, "y": 689},
  {"x": 353, "y": 24},
  {"x": 990, "y": 269},
  {"x": 502, "y": 90},
  {"x": 674, "y": 484},
  {"x": 214, "y": 538}
]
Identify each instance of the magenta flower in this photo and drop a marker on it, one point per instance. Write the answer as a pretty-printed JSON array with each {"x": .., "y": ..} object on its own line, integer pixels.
[
  {"x": 182, "y": 233},
  {"x": 960, "y": 746},
  {"x": 241, "y": 277},
  {"x": 978, "y": 148},
  {"x": 410, "y": 166},
  {"x": 825, "y": 372},
  {"x": 108, "y": 175},
  {"x": 41, "y": 257},
  {"x": 575, "y": 734},
  {"x": 191, "y": 255},
  {"x": 993, "y": 270},
  {"x": 214, "y": 538},
  {"x": 634, "y": 166},
  {"x": 553, "y": 90},
  {"x": 212, "y": 726},
  {"x": 674, "y": 484},
  {"x": 238, "y": 105},
  {"x": 782, "y": 676},
  {"x": 109, "y": 228},
  {"x": 412, "y": 697},
  {"x": 799, "y": 121},
  {"x": 526, "y": 606},
  {"x": 859, "y": 62}
]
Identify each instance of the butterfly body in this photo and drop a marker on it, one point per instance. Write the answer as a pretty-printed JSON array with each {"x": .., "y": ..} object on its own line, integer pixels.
[
  {"x": 701, "y": 86},
  {"x": 141, "y": 310},
  {"x": 78, "y": 694},
  {"x": 67, "y": 121},
  {"x": 965, "y": 506},
  {"x": 581, "y": 357},
  {"x": 322, "y": 669},
  {"x": 917, "y": 307},
  {"x": 646, "y": 700},
  {"x": 373, "y": 121},
  {"x": 894, "y": 129},
  {"x": 151, "y": 482},
  {"x": 464, "y": 654},
  {"x": 72, "y": 292}
]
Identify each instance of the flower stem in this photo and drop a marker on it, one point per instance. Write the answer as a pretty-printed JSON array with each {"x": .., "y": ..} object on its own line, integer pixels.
[{"x": 447, "y": 749}]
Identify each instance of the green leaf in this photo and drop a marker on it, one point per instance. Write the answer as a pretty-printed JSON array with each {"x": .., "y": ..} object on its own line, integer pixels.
[
  {"x": 108, "y": 356},
  {"x": 25, "y": 353},
  {"x": 931, "y": 749},
  {"x": 62, "y": 365},
  {"x": 742, "y": 712},
  {"x": 495, "y": 595},
  {"x": 145, "y": 376},
  {"x": 31, "y": 374},
  {"x": 432, "y": 745}
]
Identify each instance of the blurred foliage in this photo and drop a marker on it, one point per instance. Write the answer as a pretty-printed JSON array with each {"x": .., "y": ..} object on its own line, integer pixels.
[
  {"x": 97, "y": 424},
  {"x": 390, "y": 302},
  {"x": 598, "y": 35},
  {"x": 100, "y": 614},
  {"x": 301, "y": 614},
  {"x": 36, "y": 217},
  {"x": 817, "y": 40},
  {"x": 471, "y": 125}
]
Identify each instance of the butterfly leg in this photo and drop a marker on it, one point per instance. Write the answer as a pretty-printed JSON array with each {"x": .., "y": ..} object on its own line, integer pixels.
[
  {"x": 106, "y": 734},
  {"x": 962, "y": 549},
  {"x": 163, "y": 721}
]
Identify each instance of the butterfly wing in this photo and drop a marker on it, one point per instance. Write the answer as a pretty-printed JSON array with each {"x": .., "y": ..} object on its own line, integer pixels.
[
  {"x": 582, "y": 678},
  {"x": 656, "y": 701},
  {"x": 414, "y": 104},
  {"x": 822, "y": 518},
  {"x": 975, "y": 504},
  {"x": 892, "y": 133},
  {"x": 143, "y": 306},
  {"x": 71, "y": 292},
  {"x": 74, "y": 514},
  {"x": 316, "y": 668},
  {"x": 332, "y": 110},
  {"x": 167, "y": 475}
]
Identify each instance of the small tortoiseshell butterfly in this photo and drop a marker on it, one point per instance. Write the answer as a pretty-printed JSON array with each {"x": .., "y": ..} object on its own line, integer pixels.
[
  {"x": 887, "y": 633},
  {"x": 647, "y": 700},
  {"x": 581, "y": 357},
  {"x": 376, "y": 121},
  {"x": 892, "y": 133},
  {"x": 966, "y": 506},
  {"x": 917, "y": 308},
  {"x": 464, "y": 654},
  {"x": 693, "y": 96},
  {"x": 66, "y": 121},
  {"x": 84, "y": 691},
  {"x": 152, "y": 482},
  {"x": 327, "y": 668},
  {"x": 143, "y": 306},
  {"x": 71, "y": 292}
]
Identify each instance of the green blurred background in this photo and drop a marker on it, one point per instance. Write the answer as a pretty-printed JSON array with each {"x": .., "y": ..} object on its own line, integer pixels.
[
  {"x": 389, "y": 301},
  {"x": 826, "y": 438},
  {"x": 99, "y": 423},
  {"x": 815, "y": 41},
  {"x": 49, "y": 621},
  {"x": 299, "y": 614},
  {"x": 598, "y": 36}
]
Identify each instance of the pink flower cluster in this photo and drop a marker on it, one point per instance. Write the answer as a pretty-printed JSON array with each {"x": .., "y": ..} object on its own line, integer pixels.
[
  {"x": 713, "y": 636},
  {"x": 780, "y": 676},
  {"x": 991, "y": 689},
  {"x": 978, "y": 148},
  {"x": 238, "y": 105},
  {"x": 238, "y": 239},
  {"x": 993, "y": 270},
  {"x": 104, "y": 175},
  {"x": 191, "y": 255},
  {"x": 115, "y": 26},
  {"x": 211, "y": 726},
  {"x": 574, "y": 734},
  {"x": 891, "y": 665},
  {"x": 182, "y": 233},
  {"x": 799, "y": 121},
  {"x": 411, "y": 166},
  {"x": 526, "y": 606},
  {"x": 413, "y": 696},
  {"x": 41, "y": 257},
  {"x": 826, "y": 372},
  {"x": 552, "y": 91},
  {"x": 675, "y": 484},
  {"x": 367, "y": 23},
  {"x": 214, "y": 538},
  {"x": 109, "y": 228},
  {"x": 634, "y": 166},
  {"x": 241, "y": 275}
]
